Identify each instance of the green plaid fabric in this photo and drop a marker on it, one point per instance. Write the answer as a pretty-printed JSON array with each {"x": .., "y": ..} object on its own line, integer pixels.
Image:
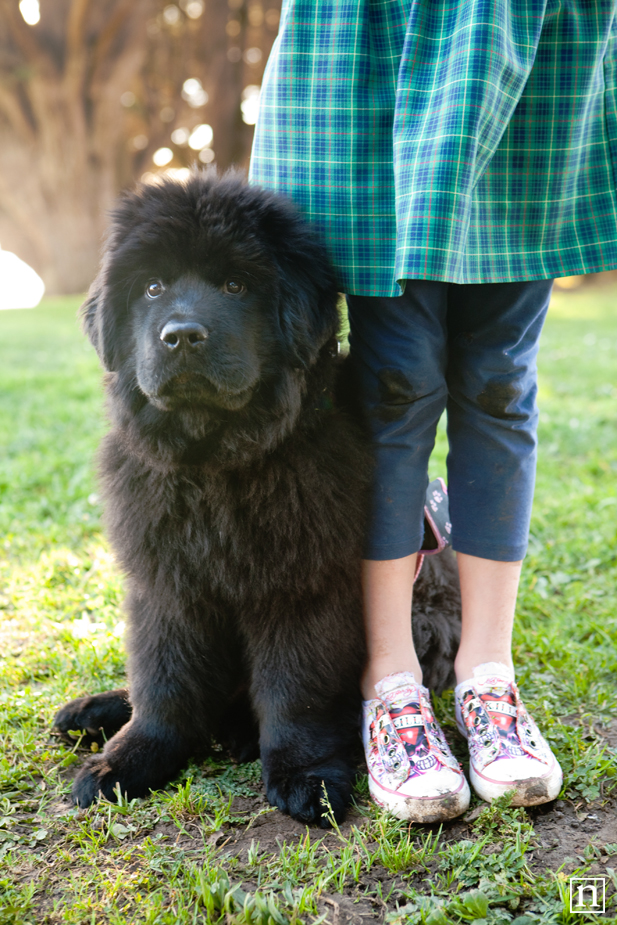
[{"x": 467, "y": 142}]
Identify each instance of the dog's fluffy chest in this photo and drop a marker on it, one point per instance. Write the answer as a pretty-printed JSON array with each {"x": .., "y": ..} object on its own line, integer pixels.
[{"x": 271, "y": 527}]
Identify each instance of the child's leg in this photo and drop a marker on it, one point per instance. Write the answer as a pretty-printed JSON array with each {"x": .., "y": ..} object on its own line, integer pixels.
[
  {"x": 399, "y": 350},
  {"x": 398, "y": 347},
  {"x": 387, "y": 588},
  {"x": 493, "y": 339},
  {"x": 488, "y": 596},
  {"x": 493, "y": 343},
  {"x": 493, "y": 332}
]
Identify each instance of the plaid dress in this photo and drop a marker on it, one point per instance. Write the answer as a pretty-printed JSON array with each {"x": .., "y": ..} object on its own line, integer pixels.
[{"x": 467, "y": 142}]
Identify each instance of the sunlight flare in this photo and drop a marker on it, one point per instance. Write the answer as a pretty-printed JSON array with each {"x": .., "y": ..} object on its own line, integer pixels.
[
  {"x": 30, "y": 11},
  {"x": 21, "y": 286}
]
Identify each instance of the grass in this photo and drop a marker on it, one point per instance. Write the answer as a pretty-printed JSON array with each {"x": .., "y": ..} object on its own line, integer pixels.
[{"x": 209, "y": 848}]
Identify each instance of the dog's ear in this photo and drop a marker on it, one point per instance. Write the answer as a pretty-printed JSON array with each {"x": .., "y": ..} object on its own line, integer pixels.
[
  {"x": 88, "y": 314},
  {"x": 98, "y": 322},
  {"x": 308, "y": 294},
  {"x": 308, "y": 313}
]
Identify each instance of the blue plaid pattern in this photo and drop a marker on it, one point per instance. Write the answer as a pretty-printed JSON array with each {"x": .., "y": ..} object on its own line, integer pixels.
[{"x": 464, "y": 142}]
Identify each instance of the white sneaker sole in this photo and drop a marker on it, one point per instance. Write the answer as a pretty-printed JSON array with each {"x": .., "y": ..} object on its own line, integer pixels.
[
  {"x": 421, "y": 809},
  {"x": 529, "y": 792}
]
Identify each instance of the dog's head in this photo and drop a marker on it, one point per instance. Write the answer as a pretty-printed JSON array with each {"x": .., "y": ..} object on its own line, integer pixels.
[{"x": 210, "y": 291}]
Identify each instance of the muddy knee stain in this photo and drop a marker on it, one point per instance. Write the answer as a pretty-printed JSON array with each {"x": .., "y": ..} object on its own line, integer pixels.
[
  {"x": 497, "y": 397},
  {"x": 395, "y": 394}
]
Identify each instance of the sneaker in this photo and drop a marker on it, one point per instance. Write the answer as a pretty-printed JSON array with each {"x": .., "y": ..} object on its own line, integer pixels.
[
  {"x": 411, "y": 770},
  {"x": 506, "y": 749}
]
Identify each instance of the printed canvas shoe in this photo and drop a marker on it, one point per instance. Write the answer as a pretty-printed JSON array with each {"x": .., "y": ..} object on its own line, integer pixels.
[
  {"x": 411, "y": 770},
  {"x": 506, "y": 749}
]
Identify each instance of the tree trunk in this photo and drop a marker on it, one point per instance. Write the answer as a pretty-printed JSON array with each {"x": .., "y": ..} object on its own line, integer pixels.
[{"x": 68, "y": 144}]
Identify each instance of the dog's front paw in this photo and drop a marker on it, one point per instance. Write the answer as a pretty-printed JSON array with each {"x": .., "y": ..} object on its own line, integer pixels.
[
  {"x": 97, "y": 778},
  {"x": 135, "y": 760},
  {"x": 98, "y": 717},
  {"x": 312, "y": 796}
]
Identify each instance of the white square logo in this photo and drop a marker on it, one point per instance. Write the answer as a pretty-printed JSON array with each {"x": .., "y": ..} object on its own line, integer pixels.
[{"x": 588, "y": 895}]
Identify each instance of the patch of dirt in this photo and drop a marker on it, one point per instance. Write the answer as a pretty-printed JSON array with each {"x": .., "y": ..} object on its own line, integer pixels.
[
  {"x": 345, "y": 910},
  {"x": 608, "y": 733},
  {"x": 272, "y": 828},
  {"x": 564, "y": 830}
]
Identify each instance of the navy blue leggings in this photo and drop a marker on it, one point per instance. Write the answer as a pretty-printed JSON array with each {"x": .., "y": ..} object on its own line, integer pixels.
[{"x": 470, "y": 349}]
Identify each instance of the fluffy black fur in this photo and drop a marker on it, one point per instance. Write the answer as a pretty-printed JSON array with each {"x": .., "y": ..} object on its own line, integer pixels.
[{"x": 235, "y": 501}]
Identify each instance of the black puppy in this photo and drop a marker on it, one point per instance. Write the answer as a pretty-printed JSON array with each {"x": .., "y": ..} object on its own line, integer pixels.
[{"x": 235, "y": 496}]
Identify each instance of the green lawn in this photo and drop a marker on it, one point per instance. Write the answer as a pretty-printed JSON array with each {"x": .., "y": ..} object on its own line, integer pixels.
[{"x": 209, "y": 848}]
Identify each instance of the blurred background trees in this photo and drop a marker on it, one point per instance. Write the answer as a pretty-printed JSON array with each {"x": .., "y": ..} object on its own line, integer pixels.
[{"x": 95, "y": 94}]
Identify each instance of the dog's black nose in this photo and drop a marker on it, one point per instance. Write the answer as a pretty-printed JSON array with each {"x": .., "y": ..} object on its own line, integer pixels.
[{"x": 183, "y": 334}]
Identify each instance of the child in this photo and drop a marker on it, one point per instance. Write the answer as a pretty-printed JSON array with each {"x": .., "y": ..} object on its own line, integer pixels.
[{"x": 456, "y": 158}]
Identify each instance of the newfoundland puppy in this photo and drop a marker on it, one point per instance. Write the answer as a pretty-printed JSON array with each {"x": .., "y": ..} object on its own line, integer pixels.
[{"x": 235, "y": 491}]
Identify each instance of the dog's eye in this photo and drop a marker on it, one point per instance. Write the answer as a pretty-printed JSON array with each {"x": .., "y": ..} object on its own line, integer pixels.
[
  {"x": 234, "y": 287},
  {"x": 154, "y": 289}
]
